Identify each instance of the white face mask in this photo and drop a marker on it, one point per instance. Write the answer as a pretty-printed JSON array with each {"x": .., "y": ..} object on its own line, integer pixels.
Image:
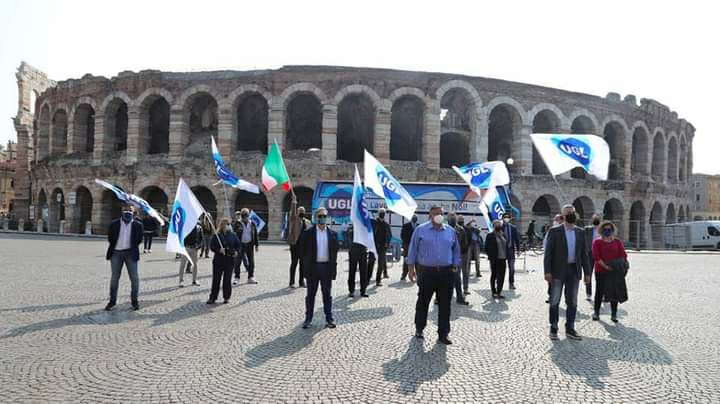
[
  {"x": 228, "y": 228},
  {"x": 506, "y": 220},
  {"x": 438, "y": 219}
]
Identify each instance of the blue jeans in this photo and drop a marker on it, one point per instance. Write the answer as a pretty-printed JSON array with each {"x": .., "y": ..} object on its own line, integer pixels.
[
  {"x": 570, "y": 283},
  {"x": 322, "y": 277},
  {"x": 116, "y": 263}
]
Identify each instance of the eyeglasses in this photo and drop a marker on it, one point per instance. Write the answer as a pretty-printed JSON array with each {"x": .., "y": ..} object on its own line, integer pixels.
[{"x": 319, "y": 216}]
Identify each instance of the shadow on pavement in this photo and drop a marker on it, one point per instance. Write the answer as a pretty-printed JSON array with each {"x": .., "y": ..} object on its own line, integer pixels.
[
  {"x": 417, "y": 366},
  {"x": 284, "y": 346}
]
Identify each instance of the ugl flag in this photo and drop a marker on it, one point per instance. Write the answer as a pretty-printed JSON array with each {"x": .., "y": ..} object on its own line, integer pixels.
[
  {"x": 132, "y": 199},
  {"x": 227, "y": 176},
  {"x": 562, "y": 153},
  {"x": 185, "y": 213},
  {"x": 384, "y": 185},
  {"x": 259, "y": 223},
  {"x": 273, "y": 171},
  {"x": 360, "y": 216},
  {"x": 486, "y": 175}
]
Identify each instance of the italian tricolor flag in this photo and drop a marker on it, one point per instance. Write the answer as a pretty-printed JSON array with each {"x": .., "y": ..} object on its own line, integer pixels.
[{"x": 274, "y": 172}]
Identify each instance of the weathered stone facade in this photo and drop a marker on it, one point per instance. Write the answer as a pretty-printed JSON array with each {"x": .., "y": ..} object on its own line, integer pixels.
[
  {"x": 145, "y": 130},
  {"x": 706, "y": 194}
]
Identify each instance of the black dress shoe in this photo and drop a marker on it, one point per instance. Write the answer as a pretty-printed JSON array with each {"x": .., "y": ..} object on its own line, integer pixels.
[
  {"x": 330, "y": 324},
  {"x": 306, "y": 325},
  {"x": 463, "y": 302},
  {"x": 364, "y": 295},
  {"x": 210, "y": 301},
  {"x": 419, "y": 335},
  {"x": 352, "y": 294},
  {"x": 226, "y": 301},
  {"x": 109, "y": 306},
  {"x": 136, "y": 306},
  {"x": 500, "y": 296},
  {"x": 445, "y": 340}
]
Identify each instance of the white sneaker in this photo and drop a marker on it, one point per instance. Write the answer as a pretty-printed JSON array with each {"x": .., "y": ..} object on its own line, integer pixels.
[
  {"x": 196, "y": 283},
  {"x": 181, "y": 285},
  {"x": 235, "y": 281},
  {"x": 252, "y": 281}
]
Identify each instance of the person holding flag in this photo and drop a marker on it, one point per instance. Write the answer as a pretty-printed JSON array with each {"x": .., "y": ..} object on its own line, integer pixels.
[
  {"x": 225, "y": 246},
  {"x": 184, "y": 217},
  {"x": 124, "y": 236},
  {"x": 363, "y": 241}
]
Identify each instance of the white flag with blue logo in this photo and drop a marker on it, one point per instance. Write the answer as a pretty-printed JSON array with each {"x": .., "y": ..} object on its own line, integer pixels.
[
  {"x": 379, "y": 180},
  {"x": 486, "y": 175},
  {"x": 360, "y": 216},
  {"x": 186, "y": 211},
  {"x": 132, "y": 199},
  {"x": 259, "y": 223},
  {"x": 562, "y": 153},
  {"x": 227, "y": 176},
  {"x": 494, "y": 204}
]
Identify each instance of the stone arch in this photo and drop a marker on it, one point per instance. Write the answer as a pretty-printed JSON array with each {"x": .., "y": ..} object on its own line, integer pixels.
[
  {"x": 469, "y": 88},
  {"x": 454, "y": 150},
  {"x": 614, "y": 132},
  {"x": 304, "y": 196},
  {"x": 585, "y": 208},
  {"x": 407, "y": 124},
  {"x": 672, "y": 159},
  {"x": 543, "y": 107},
  {"x": 640, "y": 149},
  {"x": 356, "y": 117},
  {"x": 682, "y": 214},
  {"x": 83, "y": 113},
  {"x": 637, "y": 225},
  {"x": 658, "y": 157},
  {"x": 614, "y": 211},
  {"x": 110, "y": 208},
  {"x": 670, "y": 215},
  {"x": 42, "y": 208},
  {"x": 82, "y": 210},
  {"x": 57, "y": 210},
  {"x": 154, "y": 127},
  {"x": 581, "y": 122},
  {"x": 43, "y": 132},
  {"x": 683, "y": 167},
  {"x": 656, "y": 226},
  {"x": 303, "y": 121},
  {"x": 200, "y": 117},
  {"x": 287, "y": 94},
  {"x": 506, "y": 117},
  {"x": 114, "y": 110},
  {"x": 207, "y": 199},
  {"x": 257, "y": 203},
  {"x": 544, "y": 208},
  {"x": 156, "y": 198},
  {"x": 59, "y": 131},
  {"x": 378, "y": 103},
  {"x": 250, "y": 111},
  {"x": 548, "y": 120}
]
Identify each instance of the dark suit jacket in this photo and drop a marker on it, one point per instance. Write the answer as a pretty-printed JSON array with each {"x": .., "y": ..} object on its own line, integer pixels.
[
  {"x": 308, "y": 251},
  {"x": 491, "y": 248},
  {"x": 381, "y": 233},
  {"x": 406, "y": 234},
  {"x": 513, "y": 242},
  {"x": 238, "y": 229},
  {"x": 556, "y": 254},
  {"x": 136, "y": 237}
]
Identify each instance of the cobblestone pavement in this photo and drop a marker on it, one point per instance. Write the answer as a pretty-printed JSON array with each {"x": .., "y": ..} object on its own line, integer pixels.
[{"x": 57, "y": 343}]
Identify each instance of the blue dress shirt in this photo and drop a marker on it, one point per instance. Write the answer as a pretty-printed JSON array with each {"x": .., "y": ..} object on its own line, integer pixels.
[
  {"x": 570, "y": 237},
  {"x": 434, "y": 247}
]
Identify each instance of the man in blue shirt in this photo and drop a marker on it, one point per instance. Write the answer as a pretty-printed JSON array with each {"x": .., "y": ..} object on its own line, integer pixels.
[{"x": 435, "y": 256}]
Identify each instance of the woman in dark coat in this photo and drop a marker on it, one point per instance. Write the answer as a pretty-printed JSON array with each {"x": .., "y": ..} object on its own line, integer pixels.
[
  {"x": 225, "y": 245},
  {"x": 610, "y": 270},
  {"x": 496, "y": 250}
]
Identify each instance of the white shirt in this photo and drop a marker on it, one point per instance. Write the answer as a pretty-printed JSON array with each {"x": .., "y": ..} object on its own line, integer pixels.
[
  {"x": 123, "y": 241},
  {"x": 323, "y": 249},
  {"x": 247, "y": 232}
]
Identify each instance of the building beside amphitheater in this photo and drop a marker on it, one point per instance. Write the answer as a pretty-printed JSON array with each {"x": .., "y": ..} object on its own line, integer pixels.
[{"x": 145, "y": 130}]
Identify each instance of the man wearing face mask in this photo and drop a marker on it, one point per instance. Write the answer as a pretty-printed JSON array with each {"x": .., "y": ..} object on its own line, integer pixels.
[
  {"x": 592, "y": 233},
  {"x": 435, "y": 255},
  {"x": 124, "y": 237},
  {"x": 297, "y": 223},
  {"x": 405, "y": 235},
  {"x": 460, "y": 277},
  {"x": 513, "y": 245},
  {"x": 382, "y": 234},
  {"x": 565, "y": 262},
  {"x": 319, "y": 248},
  {"x": 496, "y": 249},
  {"x": 247, "y": 233}
]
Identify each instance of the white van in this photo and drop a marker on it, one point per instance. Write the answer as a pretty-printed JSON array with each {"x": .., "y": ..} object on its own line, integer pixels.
[{"x": 693, "y": 235}]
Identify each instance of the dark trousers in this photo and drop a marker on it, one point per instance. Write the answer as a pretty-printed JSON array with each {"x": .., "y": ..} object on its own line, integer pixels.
[
  {"x": 588, "y": 278},
  {"x": 405, "y": 265},
  {"x": 248, "y": 253},
  {"x": 295, "y": 261},
  {"x": 237, "y": 262},
  {"x": 222, "y": 271},
  {"x": 434, "y": 282},
  {"x": 321, "y": 277},
  {"x": 569, "y": 281},
  {"x": 511, "y": 268},
  {"x": 358, "y": 263},
  {"x": 601, "y": 280},
  {"x": 457, "y": 284},
  {"x": 117, "y": 260},
  {"x": 381, "y": 264},
  {"x": 497, "y": 276},
  {"x": 147, "y": 241}
]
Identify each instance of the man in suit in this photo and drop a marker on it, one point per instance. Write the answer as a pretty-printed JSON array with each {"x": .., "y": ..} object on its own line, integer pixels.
[
  {"x": 591, "y": 233},
  {"x": 319, "y": 248},
  {"x": 247, "y": 233},
  {"x": 124, "y": 237},
  {"x": 513, "y": 245},
  {"x": 382, "y": 235},
  {"x": 297, "y": 223},
  {"x": 406, "y": 235},
  {"x": 564, "y": 263}
]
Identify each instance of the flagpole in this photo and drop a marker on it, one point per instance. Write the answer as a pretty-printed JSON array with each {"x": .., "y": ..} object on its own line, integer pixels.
[
  {"x": 214, "y": 229},
  {"x": 562, "y": 193},
  {"x": 227, "y": 204}
]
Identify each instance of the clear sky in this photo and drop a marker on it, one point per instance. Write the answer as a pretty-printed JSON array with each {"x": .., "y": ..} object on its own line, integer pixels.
[{"x": 668, "y": 51}]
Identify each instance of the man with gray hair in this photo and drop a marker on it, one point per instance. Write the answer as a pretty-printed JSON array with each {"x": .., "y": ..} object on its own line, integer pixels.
[{"x": 564, "y": 263}]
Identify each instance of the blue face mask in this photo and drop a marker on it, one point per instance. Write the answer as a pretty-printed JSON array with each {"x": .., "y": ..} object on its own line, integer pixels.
[
  {"x": 127, "y": 217},
  {"x": 607, "y": 232},
  {"x": 322, "y": 220}
]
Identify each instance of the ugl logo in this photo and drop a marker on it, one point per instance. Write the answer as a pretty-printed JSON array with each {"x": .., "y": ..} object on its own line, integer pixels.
[
  {"x": 575, "y": 149},
  {"x": 391, "y": 187}
]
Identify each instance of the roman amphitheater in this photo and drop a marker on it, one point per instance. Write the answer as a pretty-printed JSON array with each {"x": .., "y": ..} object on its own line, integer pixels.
[{"x": 145, "y": 130}]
